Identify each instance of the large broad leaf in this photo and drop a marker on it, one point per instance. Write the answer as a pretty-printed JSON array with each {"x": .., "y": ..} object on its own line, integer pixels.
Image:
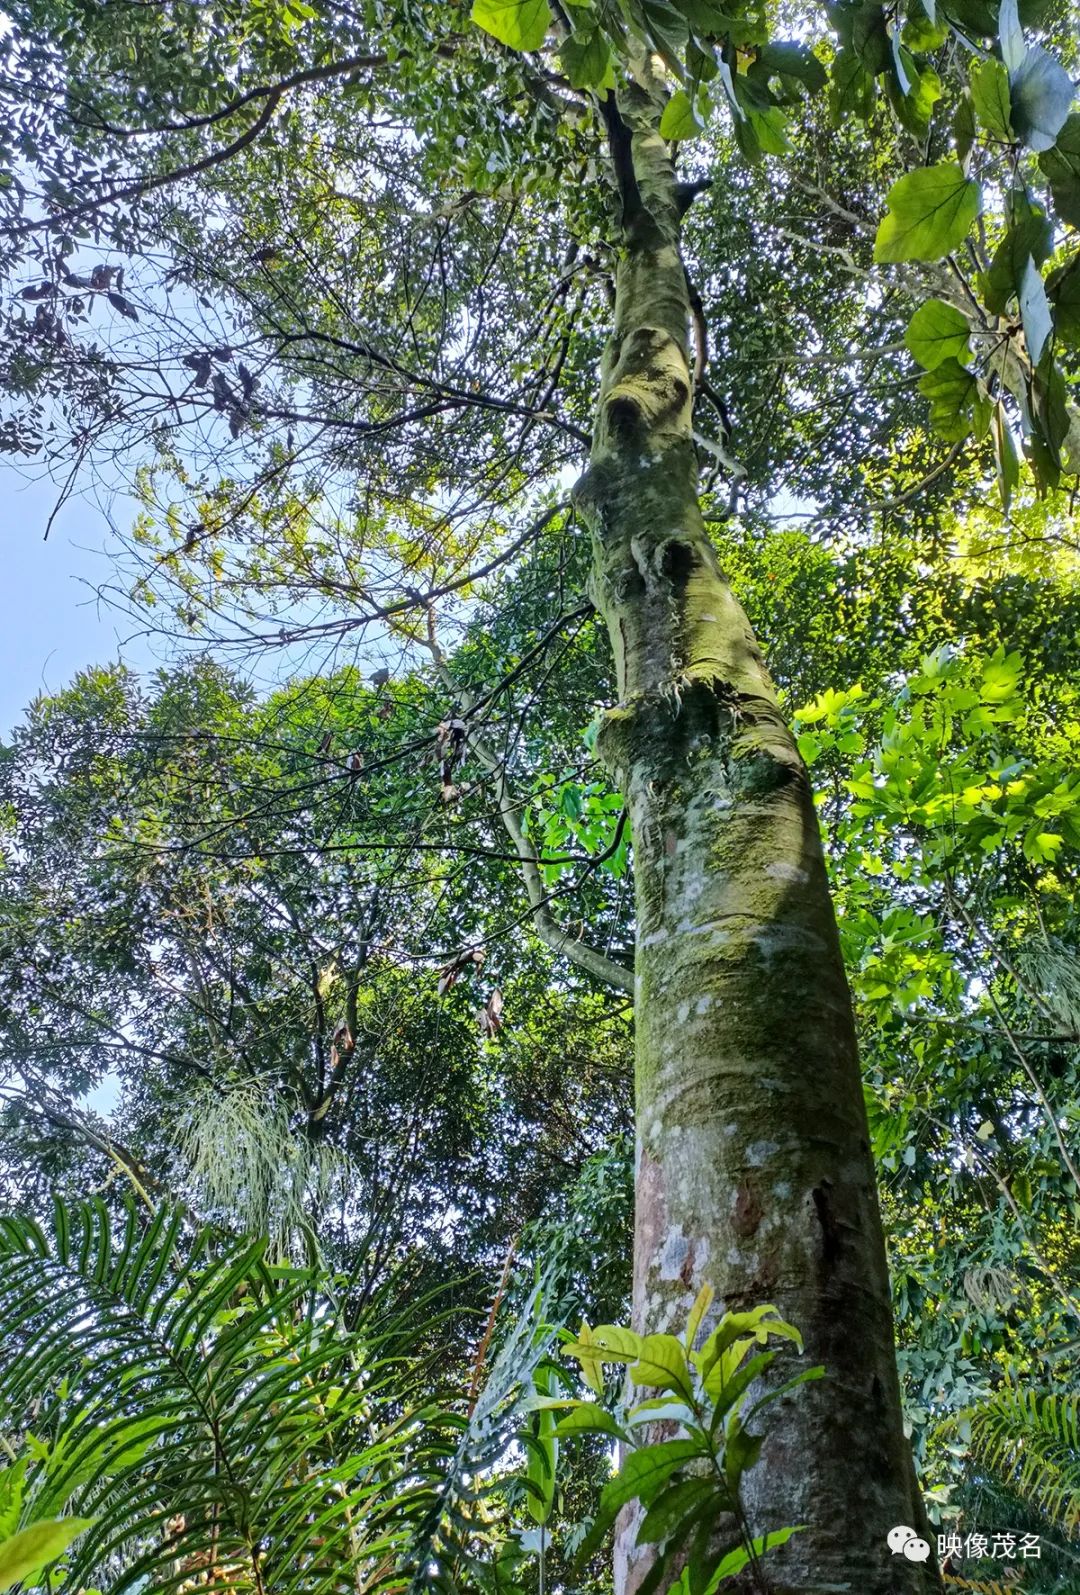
[
  {"x": 678, "y": 120},
  {"x": 1063, "y": 288},
  {"x": 951, "y": 391},
  {"x": 586, "y": 59},
  {"x": 913, "y": 92},
  {"x": 930, "y": 211},
  {"x": 1051, "y": 398},
  {"x": 936, "y": 332},
  {"x": 643, "y": 1473},
  {"x": 990, "y": 94},
  {"x": 784, "y": 59},
  {"x": 1005, "y": 457},
  {"x": 852, "y": 91},
  {"x": 1041, "y": 92},
  {"x": 1011, "y": 35},
  {"x": 1029, "y": 238},
  {"x": 521, "y": 24},
  {"x": 35, "y": 1547},
  {"x": 1061, "y": 167},
  {"x": 662, "y": 1365},
  {"x": 1034, "y": 310}
]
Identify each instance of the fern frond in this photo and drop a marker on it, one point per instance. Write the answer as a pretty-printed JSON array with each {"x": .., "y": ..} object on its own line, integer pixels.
[
  {"x": 455, "y": 1497},
  {"x": 1031, "y": 1440},
  {"x": 203, "y": 1407}
]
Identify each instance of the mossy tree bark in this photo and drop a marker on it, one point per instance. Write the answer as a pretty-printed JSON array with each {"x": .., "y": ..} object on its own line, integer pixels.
[{"x": 754, "y": 1167}]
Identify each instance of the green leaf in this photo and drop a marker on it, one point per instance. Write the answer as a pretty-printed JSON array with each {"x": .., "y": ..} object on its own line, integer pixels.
[
  {"x": 1051, "y": 405},
  {"x": 1029, "y": 236},
  {"x": 1005, "y": 456},
  {"x": 645, "y": 1470},
  {"x": 586, "y": 59},
  {"x": 543, "y": 1455},
  {"x": 1034, "y": 310},
  {"x": 605, "y": 1343},
  {"x": 951, "y": 391},
  {"x": 963, "y": 129},
  {"x": 702, "y": 1302},
  {"x": 930, "y": 211},
  {"x": 767, "y": 130},
  {"x": 35, "y": 1547},
  {"x": 1061, "y": 168},
  {"x": 1063, "y": 290},
  {"x": 852, "y": 91},
  {"x": 869, "y": 36},
  {"x": 520, "y": 24},
  {"x": 923, "y": 33},
  {"x": 662, "y": 1364},
  {"x": 990, "y": 96},
  {"x": 587, "y": 1417},
  {"x": 1011, "y": 35},
  {"x": 590, "y": 1358},
  {"x": 726, "y": 1394},
  {"x": 1042, "y": 93},
  {"x": 913, "y": 104},
  {"x": 668, "y": 1514},
  {"x": 784, "y": 59},
  {"x": 679, "y": 120},
  {"x": 805, "y": 1377},
  {"x": 758, "y": 1324},
  {"x": 936, "y": 332},
  {"x": 736, "y": 1560},
  {"x": 742, "y": 1452}
]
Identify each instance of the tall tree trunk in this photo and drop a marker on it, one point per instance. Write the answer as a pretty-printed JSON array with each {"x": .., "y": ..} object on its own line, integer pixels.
[{"x": 754, "y": 1168}]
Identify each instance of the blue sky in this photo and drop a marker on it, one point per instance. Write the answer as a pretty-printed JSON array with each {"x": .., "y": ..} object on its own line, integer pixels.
[{"x": 51, "y": 622}]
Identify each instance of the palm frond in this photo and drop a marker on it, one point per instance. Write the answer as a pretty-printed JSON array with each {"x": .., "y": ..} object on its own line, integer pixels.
[
  {"x": 204, "y": 1408},
  {"x": 1031, "y": 1440}
]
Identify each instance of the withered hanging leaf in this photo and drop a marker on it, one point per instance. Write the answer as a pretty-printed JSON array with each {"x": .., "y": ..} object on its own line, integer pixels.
[
  {"x": 124, "y": 306},
  {"x": 236, "y": 422},
  {"x": 41, "y": 291},
  {"x": 71, "y": 280},
  {"x": 489, "y": 1017},
  {"x": 222, "y": 352},
  {"x": 200, "y": 364},
  {"x": 472, "y": 958},
  {"x": 246, "y": 379},
  {"x": 450, "y": 738}
]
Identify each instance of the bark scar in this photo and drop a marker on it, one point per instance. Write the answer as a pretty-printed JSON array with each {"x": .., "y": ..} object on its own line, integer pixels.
[{"x": 830, "y": 1234}]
